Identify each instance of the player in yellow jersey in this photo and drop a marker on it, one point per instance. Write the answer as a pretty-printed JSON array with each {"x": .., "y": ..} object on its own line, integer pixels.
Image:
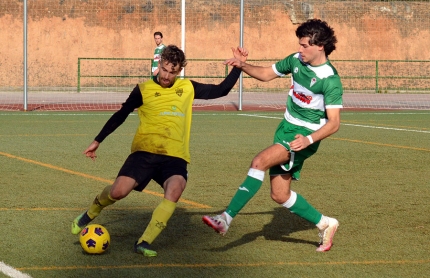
[{"x": 160, "y": 148}]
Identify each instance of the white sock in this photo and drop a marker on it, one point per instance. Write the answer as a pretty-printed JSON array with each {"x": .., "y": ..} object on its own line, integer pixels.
[
  {"x": 228, "y": 218},
  {"x": 323, "y": 223},
  {"x": 291, "y": 201},
  {"x": 256, "y": 174}
]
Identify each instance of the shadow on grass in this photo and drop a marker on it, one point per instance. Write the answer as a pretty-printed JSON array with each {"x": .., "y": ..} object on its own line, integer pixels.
[
  {"x": 283, "y": 224},
  {"x": 125, "y": 227}
]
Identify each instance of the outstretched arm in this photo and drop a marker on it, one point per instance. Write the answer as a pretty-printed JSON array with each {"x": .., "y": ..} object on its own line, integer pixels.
[
  {"x": 258, "y": 72},
  {"x": 210, "y": 91},
  {"x": 133, "y": 101}
]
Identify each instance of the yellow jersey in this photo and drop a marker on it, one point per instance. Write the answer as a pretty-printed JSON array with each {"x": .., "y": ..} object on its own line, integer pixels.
[{"x": 165, "y": 119}]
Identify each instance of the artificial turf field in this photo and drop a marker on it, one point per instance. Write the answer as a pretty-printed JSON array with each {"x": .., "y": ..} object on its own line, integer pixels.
[{"x": 373, "y": 176}]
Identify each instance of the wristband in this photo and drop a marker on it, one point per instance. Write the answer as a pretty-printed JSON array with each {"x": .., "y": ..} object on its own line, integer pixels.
[{"x": 310, "y": 139}]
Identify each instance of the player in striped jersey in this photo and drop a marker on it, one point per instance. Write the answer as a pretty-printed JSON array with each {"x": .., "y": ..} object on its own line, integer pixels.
[
  {"x": 312, "y": 114},
  {"x": 158, "y": 38}
]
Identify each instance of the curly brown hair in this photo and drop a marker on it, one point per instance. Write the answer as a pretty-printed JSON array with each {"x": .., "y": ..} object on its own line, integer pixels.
[
  {"x": 174, "y": 55},
  {"x": 319, "y": 33}
]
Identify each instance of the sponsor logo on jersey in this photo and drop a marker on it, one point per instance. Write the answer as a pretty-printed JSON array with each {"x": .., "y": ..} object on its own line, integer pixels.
[
  {"x": 170, "y": 113},
  {"x": 173, "y": 112},
  {"x": 157, "y": 94},
  {"x": 302, "y": 97},
  {"x": 313, "y": 81},
  {"x": 179, "y": 91}
]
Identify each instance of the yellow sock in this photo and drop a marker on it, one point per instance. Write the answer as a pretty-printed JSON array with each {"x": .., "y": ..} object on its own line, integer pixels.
[
  {"x": 100, "y": 202},
  {"x": 160, "y": 216}
]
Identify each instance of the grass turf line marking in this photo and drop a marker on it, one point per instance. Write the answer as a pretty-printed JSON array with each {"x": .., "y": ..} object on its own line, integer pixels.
[
  {"x": 188, "y": 202},
  {"x": 12, "y": 272},
  {"x": 257, "y": 264},
  {"x": 380, "y": 144},
  {"x": 80, "y": 209},
  {"x": 356, "y": 125},
  {"x": 388, "y": 128}
]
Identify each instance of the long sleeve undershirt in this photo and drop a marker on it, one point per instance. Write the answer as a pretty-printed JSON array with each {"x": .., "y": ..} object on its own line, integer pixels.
[{"x": 134, "y": 100}]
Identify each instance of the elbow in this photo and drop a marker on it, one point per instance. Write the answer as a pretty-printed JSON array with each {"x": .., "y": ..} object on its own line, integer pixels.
[
  {"x": 223, "y": 94},
  {"x": 333, "y": 127},
  {"x": 336, "y": 128}
]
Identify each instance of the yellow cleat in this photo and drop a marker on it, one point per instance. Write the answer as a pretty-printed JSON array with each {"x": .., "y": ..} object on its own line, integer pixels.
[{"x": 80, "y": 222}]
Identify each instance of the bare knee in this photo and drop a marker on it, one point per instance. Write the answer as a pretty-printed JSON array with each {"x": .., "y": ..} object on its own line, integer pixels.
[
  {"x": 118, "y": 193},
  {"x": 122, "y": 187},
  {"x": 173, "y": 188},
  {"x": 259, "y": 163},
  {"x": 280, "y": 188},
  {"x": 280, "y": 198}
]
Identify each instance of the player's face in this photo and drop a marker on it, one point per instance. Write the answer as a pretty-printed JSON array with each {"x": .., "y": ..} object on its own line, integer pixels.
[
  {"x": 158, "y": 39},
  {"x": 311, "y": 54},
  {"x": 167, "y": 73}
]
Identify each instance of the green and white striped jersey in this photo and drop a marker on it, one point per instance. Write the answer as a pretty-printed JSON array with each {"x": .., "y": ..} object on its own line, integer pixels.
[
  {"x": 313, "y": 90},
  {"x": 157, "y": 56}
]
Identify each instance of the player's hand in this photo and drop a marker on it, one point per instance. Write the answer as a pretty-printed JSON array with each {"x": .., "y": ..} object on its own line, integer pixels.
[
  {"x": 240, "y": 53},
  {"x": 299, "y": 143},
  {"x": 234, "y": 62},
  {"x": 91, "y": 150}
]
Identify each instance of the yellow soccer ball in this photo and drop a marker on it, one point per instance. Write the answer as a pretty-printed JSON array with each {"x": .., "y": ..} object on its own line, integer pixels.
[{"x": 94, "y": 239}]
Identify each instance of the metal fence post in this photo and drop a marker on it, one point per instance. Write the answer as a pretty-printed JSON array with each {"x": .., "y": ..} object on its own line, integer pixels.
[
  {"x": 79, "y": 75},
  {"x": 376, "y": 76}
]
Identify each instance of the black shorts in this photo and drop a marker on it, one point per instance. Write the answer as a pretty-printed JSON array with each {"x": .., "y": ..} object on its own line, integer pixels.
[{"x": 144, "y": 166}]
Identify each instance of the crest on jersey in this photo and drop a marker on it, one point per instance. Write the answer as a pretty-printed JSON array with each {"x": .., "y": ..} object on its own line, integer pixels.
[
  {"x": 313, "y": 81},
  {"x": 179, "y": 91},
  {"x": 296, "y": 70}
]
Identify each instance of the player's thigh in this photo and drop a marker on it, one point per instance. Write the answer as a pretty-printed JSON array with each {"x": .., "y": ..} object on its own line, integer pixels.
[
  {"x": 280, "y": 187},
  {"x": 141, "y": 167},
  {"x": 122, "y": 186},
  {"x": 172, "y": 175},
  {"x": 273, "y": 155},
  {"x": 173, "y": 187}
]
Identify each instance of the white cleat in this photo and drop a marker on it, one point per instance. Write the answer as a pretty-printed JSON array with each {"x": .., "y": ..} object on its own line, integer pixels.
[
  {"x": 218, "y": 223},
  {"x": 326, "y": 235}
]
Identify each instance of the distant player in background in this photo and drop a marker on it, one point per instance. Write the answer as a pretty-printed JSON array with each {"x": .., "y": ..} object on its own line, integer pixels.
[
  {"x": 160, "y": 148},
  {"x": 158, "y": 38},
  {"x": 312, "y": 114}
]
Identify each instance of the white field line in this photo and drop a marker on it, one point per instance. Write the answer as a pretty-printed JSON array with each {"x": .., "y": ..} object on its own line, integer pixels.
[
  {"x": 366, "y": 126},
  {"x": 389, "y": 128},
  {"x": 12, "y": 272},
  {"x": 247, "y": 115}
]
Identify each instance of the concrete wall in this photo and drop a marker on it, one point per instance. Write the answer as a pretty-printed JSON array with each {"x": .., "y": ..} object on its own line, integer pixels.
[{"x": 61, "y": 31}]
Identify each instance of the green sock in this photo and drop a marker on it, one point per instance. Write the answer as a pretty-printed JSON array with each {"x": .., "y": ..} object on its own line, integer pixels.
[
  {"x": 305, "y": 210},
  {"x": 246, "y": 191}
]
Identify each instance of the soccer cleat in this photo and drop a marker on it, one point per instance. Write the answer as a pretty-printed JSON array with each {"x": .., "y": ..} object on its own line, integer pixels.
[
  {"x": 326, "y": 235},
  {"x": 80, "y": 222},
  {"x": 218, "y": 223},
  {"x": 145, "y": 249}
]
